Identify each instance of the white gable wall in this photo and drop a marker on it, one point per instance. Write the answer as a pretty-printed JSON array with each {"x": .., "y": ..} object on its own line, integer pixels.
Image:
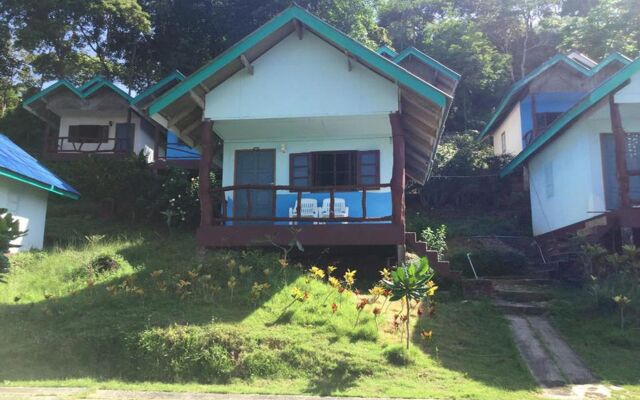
[
  {"x": 301, "y": 78},
  {"x": 28, "y": 205},
  {"x": 512, "y": 127},
  {"x": 574, "y": 189}
]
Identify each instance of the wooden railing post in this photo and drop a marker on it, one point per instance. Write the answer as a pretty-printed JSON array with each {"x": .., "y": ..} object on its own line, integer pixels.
[
  {"x": 620, "y": 144},
  {"x": 397, "y": 177},
  {"x": 156, "y": 145},
  {"x": 204, "y": 190},
  {"x": 332, "y": 203},
  {"x": 364, "y": 202}
]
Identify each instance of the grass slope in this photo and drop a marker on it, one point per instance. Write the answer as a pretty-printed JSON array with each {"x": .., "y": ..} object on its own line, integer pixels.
[
  {"x": 594, "y": 333},
  {"x": 63, "y": 326}
]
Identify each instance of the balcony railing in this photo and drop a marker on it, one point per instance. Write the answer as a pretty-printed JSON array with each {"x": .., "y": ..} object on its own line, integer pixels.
[
  {"x": 219, "y": 195},
  {"x": 63, "y": 144}
]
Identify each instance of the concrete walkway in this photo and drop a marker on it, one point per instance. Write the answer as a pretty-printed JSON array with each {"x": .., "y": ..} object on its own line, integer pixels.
[{"x": 40, "y": 393}]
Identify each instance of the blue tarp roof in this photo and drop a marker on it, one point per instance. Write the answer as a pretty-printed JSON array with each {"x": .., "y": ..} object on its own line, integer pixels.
[{"x": 17, "y": 164}]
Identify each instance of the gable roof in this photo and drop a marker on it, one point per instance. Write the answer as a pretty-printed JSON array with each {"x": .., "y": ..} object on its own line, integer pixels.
[
  {"x": 385, "y": 50},
  {"x": 380, "y": 63},
  {"x": 424, "y": 106},
  {"x": 438, "y": 66},
  {"x": 84, "y": 91},
  {"x": 517, "y": 87},
  {"x": 18, "y": 165},
  {"x": 608, "y": 87},
  {"x": 174, "y": 76}
]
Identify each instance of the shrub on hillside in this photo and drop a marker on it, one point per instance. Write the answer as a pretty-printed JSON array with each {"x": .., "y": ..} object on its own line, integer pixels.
[
  {"x": 398, "y": 355},
  {"x": 104, "y": 263},
  {"x": 9, "y": 231},
  {"x": 489, "y": 263}
]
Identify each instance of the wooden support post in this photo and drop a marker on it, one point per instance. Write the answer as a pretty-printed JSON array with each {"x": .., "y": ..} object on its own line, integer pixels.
[
  {"x": 156, "y": 144},
  {"x": 246, "y": 63},
  {"x": 299, "y": 29},
  {"x": 398, "y": 174},
  {"x": 204, "y": 190},
  {"x": 534, "y": 120},
  {"x": 620, "y": 144}
]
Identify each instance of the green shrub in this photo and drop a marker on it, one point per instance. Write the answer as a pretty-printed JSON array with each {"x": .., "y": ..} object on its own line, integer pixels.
[
  {"x": 366, "y": 332},
  {"x": 489, "y": 263},
  {"x": 9, "y": 231},
  {"x": 261, "y": 363},
  {"x": 436, "y": 239},
  {"x": 104, "y": 263},
  {"x": 182, "y": 353},
  {"x": 398, "y": 355}
]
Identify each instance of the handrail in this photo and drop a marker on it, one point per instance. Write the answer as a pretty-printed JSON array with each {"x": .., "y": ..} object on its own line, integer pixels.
[
  {"x": 249, "y": 188},
  {"x": 77, "y": 145}
]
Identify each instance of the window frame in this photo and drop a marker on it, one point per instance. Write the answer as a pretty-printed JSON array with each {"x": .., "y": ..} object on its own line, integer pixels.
[
  {"x": 356, "y": 172},
  {"x": 103, "y": 136}
]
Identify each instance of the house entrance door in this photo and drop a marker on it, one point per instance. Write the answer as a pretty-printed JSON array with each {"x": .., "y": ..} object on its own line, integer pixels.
[{"x": 254, "y": 167}]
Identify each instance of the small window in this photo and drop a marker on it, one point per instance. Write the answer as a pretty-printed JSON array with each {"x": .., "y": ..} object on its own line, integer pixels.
[
  {"x": 548, "y": 180},
  {"x": 503, "y": 142},
  {"x": 88, "y": 133},
  {"x": 543, "y": 120},
  {"x": 339, "y": 168}
]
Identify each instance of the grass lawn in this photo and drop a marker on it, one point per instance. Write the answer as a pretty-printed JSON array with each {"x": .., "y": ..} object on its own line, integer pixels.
[
  {"x": 63, "y": 325},
  {"x": 595, "y": 334}
]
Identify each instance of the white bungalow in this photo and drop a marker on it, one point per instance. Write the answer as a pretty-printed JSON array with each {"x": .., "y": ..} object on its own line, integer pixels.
[
  {"x": 584, "y": 168},
  {"x": 24, "y": 188},
  {"x": 100, "y": 118},
  {"x": 317, "y": 133}
]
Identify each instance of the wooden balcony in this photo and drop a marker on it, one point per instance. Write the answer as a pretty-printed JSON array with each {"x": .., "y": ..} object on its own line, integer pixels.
[{"x": 234, "y": 226}]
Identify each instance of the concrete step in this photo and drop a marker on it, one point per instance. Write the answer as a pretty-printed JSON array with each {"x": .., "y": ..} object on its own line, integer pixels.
[
  {"x": 542, "y": 367},
  {"x": 518, "y": 308},
  {"x": 520, "y": 295},
  {"x": 521, "y": 281}
]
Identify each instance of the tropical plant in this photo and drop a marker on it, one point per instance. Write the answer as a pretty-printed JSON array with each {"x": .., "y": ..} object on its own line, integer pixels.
[
  {"x": 411, "y": 283},
  {"x": 9, "y": 231},
  {"x": 436, "y": 239},
  {"x": 622, "y": 302}
]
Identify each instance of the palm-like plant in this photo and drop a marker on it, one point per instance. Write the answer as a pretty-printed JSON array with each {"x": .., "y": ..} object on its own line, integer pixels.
[{"x": 410, "y": 282}]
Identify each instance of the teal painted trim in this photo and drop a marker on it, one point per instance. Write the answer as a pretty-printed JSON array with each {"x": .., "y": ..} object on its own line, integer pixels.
[
  {"x": 39, "y": 185},
  {"x": 111, "y": 86},
  {"x": 78, "y": 92},
  {"x": 384, "y": 66},
  {"x": 565, "y": 119},
  {"x": 175, "y": 75},
  {"x": 384, "y": 49},
  {"x": 542, "y": 68},
  {"x": 61, "y": 83},
  {"x": 90, "y": 82},
  {"x": 412, "y": 51}
]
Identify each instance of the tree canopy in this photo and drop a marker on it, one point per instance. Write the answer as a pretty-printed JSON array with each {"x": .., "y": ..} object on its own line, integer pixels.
[{"x": 492, "y": 43}]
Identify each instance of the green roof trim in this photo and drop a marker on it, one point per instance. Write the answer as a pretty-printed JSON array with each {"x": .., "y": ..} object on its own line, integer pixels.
[
  {"x": 412, "y": 51},
  {"x": 39, "y": 185},
  {"x": 539, "y": 70},
  {"x": 83, "y": 92},
  {"x": 175, "y": 75},
  {"x": 358, "y": 50},
  {"x": 384, "y": 49},
  {"x": 606, "y": 88}
]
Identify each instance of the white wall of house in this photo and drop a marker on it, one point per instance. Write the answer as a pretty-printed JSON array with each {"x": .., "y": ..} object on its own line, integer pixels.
[
  {"x": 142, "y": 140},
  {"x": 28, "y": 205},
  {"x": 512, "y": 128},
  {"x": 302, "y": 78},
  {"x": 566, "y": 177}
]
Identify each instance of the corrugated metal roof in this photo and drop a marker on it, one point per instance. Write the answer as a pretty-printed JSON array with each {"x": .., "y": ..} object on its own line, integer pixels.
[{"x": 18, "y": 165}]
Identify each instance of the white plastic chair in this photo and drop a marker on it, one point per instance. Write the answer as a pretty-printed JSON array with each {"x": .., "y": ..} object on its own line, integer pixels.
[
  {"x": 308, "y": 209},
  {"x": 340, "y": 209}
]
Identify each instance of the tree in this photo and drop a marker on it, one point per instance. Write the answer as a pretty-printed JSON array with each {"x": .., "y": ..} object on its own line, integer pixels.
[
  {"x": 75, "y": 39},
  {"x": 609, "y": 25}
]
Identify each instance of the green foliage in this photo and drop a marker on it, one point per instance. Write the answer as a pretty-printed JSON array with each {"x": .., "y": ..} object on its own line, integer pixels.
[
  {"x": 489, "y": 263},
  {"x": 9, "y": 231},
  {"x": 436, "y": 239},
  {"x": 399, "y": 355},
  {"x": 611, "y": 275},
  {"x": 104, "y": 263}
]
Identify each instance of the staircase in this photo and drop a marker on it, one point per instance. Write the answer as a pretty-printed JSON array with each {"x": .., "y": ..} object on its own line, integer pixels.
[{"x": 442, "y": 268}]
